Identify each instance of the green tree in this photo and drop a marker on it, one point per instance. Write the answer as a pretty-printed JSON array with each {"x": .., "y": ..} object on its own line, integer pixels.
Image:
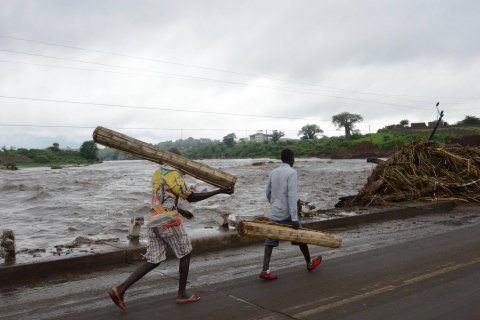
[
  {"x": 471, "y": 120},
  {"x": 55, "y": 147},
  {"x": 89, "y": 150},
  {"x": 309, "y": 132},
  {"x": 229, "y": 139},
  {"x": 276, "y": 135},
  {"x": 404, "y": 123},
  {"x": 346, "y": 120}
]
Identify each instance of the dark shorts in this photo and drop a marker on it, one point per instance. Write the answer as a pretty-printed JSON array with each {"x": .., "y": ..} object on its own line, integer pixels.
[{"x": 273, "y": 242}]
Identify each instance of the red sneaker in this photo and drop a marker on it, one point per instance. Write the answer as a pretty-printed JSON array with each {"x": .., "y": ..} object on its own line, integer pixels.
[
  {"x": 314, "y": 263},
  {"x": 266, "y": 275}
]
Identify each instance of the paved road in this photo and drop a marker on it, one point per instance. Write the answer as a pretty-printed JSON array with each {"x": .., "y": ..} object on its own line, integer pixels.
[
  {"x": 431, "y": 278},
  {"x": 425, "y": 267}
]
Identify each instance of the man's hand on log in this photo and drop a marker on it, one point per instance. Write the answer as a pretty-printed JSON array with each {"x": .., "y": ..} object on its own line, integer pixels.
[
  {"x": 295, "y": 224},
  {"x": 185, "y": 213},
  {"x": 227, "y": 190}
]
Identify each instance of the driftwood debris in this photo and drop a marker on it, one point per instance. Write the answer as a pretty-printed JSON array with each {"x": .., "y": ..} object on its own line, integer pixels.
[
  {"x": 283, "y": 232},
  {"x": 375, "y": 160},
  {"x": 140, "y": 149},
  {"x": 422, "y": 170},
  {"x": 7, "y": 246}
]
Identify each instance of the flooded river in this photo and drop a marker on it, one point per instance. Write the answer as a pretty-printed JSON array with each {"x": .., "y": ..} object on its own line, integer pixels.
[{"x": 49, "y": 208}]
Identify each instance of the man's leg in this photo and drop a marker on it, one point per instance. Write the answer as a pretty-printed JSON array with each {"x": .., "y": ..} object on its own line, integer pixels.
[
  {"x": 306, "y": 252},
  {"x": 311, "y": 263},
  {"x": 145, "y": 268},
  {"x": 266, "y": 275},
  {"x": 181, "y": 245},
  {"x": 117, "y": 293},
  {"x": 156, "y": 251},
  {"x": 184, "y": 267},
  {"x": 266, "y": 258}
]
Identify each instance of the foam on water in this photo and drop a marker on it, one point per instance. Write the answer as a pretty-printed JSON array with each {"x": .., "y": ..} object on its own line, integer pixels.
[{"x": 48, "y": 208}]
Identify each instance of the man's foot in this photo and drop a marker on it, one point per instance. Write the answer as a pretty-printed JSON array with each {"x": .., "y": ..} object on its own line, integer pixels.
[
  {"x": 267, "y": 275},
  {"x": 113, "y": 293},
  {"x": 188, "y": 299},
  {"x": 314, "y": 263}
]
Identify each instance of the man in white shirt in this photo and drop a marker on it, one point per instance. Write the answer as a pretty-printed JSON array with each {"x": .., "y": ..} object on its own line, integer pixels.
[{"x": 282, "y": 195}]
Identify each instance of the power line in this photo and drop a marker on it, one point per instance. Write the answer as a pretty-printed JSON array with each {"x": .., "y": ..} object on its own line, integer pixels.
[
  {"x": 141, "y": 128},
  {"x": 401, "y": 97},
  {"x": 182, "y": 77},
  {"x": 155, "y": 108},
  {"x": 195, "y": 78},
  {"x": 85, "y": 69},
  {"x": 191, "y": 66}
]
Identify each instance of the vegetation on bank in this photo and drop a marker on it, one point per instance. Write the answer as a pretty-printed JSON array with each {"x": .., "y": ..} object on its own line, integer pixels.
[
  {"x": 352, "y": 145},
  {"x": 357, "y": 145},
  {"x": 53, "y": 156}
]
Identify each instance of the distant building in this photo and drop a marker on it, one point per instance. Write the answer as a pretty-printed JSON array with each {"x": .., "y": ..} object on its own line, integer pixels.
[
  {"x": 394, "y": 127},
  {"x": 259, "y": 137},
  {"x": 434, "y": 123},
  {"x": 418, "y": 125}
]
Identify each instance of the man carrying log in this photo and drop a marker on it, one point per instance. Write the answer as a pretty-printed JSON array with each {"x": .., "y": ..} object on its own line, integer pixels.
[
  {"x": 165, "y": 229},
  {"x": 281, "y": 193}
]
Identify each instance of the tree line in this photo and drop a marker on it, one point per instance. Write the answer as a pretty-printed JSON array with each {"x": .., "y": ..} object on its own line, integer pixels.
[
  {"x": 54, "y": 156},
  {"x": 311, "y": 143}
]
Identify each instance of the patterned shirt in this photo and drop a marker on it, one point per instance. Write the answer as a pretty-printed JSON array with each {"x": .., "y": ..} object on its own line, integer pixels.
[{"x": 167, "y": 186}]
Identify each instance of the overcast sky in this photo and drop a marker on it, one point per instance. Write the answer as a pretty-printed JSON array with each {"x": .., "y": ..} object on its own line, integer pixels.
[{"x": 165, "y": 70}]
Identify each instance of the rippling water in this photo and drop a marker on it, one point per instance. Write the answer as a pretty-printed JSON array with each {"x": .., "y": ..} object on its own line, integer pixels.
[{"x": 48, "y": 208}]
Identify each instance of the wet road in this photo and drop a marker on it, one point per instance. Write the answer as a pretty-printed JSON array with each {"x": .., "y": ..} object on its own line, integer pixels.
[
  {"x": 430, "y": 278},
  {"x": 418, "y": 268}
]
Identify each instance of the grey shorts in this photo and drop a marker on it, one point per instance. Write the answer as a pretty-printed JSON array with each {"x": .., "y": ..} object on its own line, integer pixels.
[
  {"x": 174, "y": 237},
  {"x": 273, "y": 242}
]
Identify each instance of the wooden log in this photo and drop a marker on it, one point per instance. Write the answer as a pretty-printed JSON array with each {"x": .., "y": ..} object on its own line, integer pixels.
[
  {"x": 344, "y": 201},
  {"x": 140, "y": 149},
  {"x": 375, "y": 160},
  {"x": 374, "y": 186},
  {"x": 287, "y": 233}
]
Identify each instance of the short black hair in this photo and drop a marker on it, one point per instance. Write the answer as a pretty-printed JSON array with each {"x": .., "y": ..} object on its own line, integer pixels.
[{"x": 287, "y": 155}]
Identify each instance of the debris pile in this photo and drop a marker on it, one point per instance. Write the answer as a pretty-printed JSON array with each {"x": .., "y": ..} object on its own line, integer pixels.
[{"x": 422, "y": 170}]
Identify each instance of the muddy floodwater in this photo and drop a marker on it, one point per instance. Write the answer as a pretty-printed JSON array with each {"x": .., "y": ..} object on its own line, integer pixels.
[{"x": 48, "y": 209}]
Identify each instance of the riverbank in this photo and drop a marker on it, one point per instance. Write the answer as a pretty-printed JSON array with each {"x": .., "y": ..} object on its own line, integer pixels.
[
  {"x": 115, "y": 255},
  {"x": 49, "y": 209}
]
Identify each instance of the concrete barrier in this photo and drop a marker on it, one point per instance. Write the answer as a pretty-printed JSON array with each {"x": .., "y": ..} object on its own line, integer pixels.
[
  {"x": 7, "y": 246},
  {"x": 122, "y": 255}
]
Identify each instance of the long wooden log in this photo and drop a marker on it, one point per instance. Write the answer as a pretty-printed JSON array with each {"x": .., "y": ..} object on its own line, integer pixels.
[
  {"x": 140, "y": 149},
  {"x": 283, "y": 232}
]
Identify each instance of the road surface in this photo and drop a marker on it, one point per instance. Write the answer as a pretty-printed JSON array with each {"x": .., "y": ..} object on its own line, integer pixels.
[{"x": 419, "y": 268}]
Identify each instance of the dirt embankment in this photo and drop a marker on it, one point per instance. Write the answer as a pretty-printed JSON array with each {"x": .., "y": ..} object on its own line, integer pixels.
[
  {"x": 362, "y": 150},
  {"x": 366, "y": 149},
  {"x": 5, "y": 158},
  {"x": 472, "y": 140}
]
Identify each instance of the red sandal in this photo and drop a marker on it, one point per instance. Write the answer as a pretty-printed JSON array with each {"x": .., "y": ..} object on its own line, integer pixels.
[
  {"x": 267, "y": 275},
  {"x": 314, "y": 263},
  {"x": 192, "y": 298},
  {"x": 113, "y": 293}
]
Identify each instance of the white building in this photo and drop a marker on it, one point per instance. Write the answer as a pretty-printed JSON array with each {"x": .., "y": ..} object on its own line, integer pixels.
[{"x": 259, "y": 137}]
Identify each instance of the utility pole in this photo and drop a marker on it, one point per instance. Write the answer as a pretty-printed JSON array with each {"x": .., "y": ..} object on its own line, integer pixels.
[{"x": 438, "y": 122}]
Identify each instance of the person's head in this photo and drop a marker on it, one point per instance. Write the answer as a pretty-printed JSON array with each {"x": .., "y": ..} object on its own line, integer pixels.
[
  {"x": 175, "y": 150},
  {"x": 287, "y": 156}
]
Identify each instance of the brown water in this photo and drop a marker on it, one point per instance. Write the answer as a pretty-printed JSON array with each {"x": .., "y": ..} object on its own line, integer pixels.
[{"x": 48, "y": 209}]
